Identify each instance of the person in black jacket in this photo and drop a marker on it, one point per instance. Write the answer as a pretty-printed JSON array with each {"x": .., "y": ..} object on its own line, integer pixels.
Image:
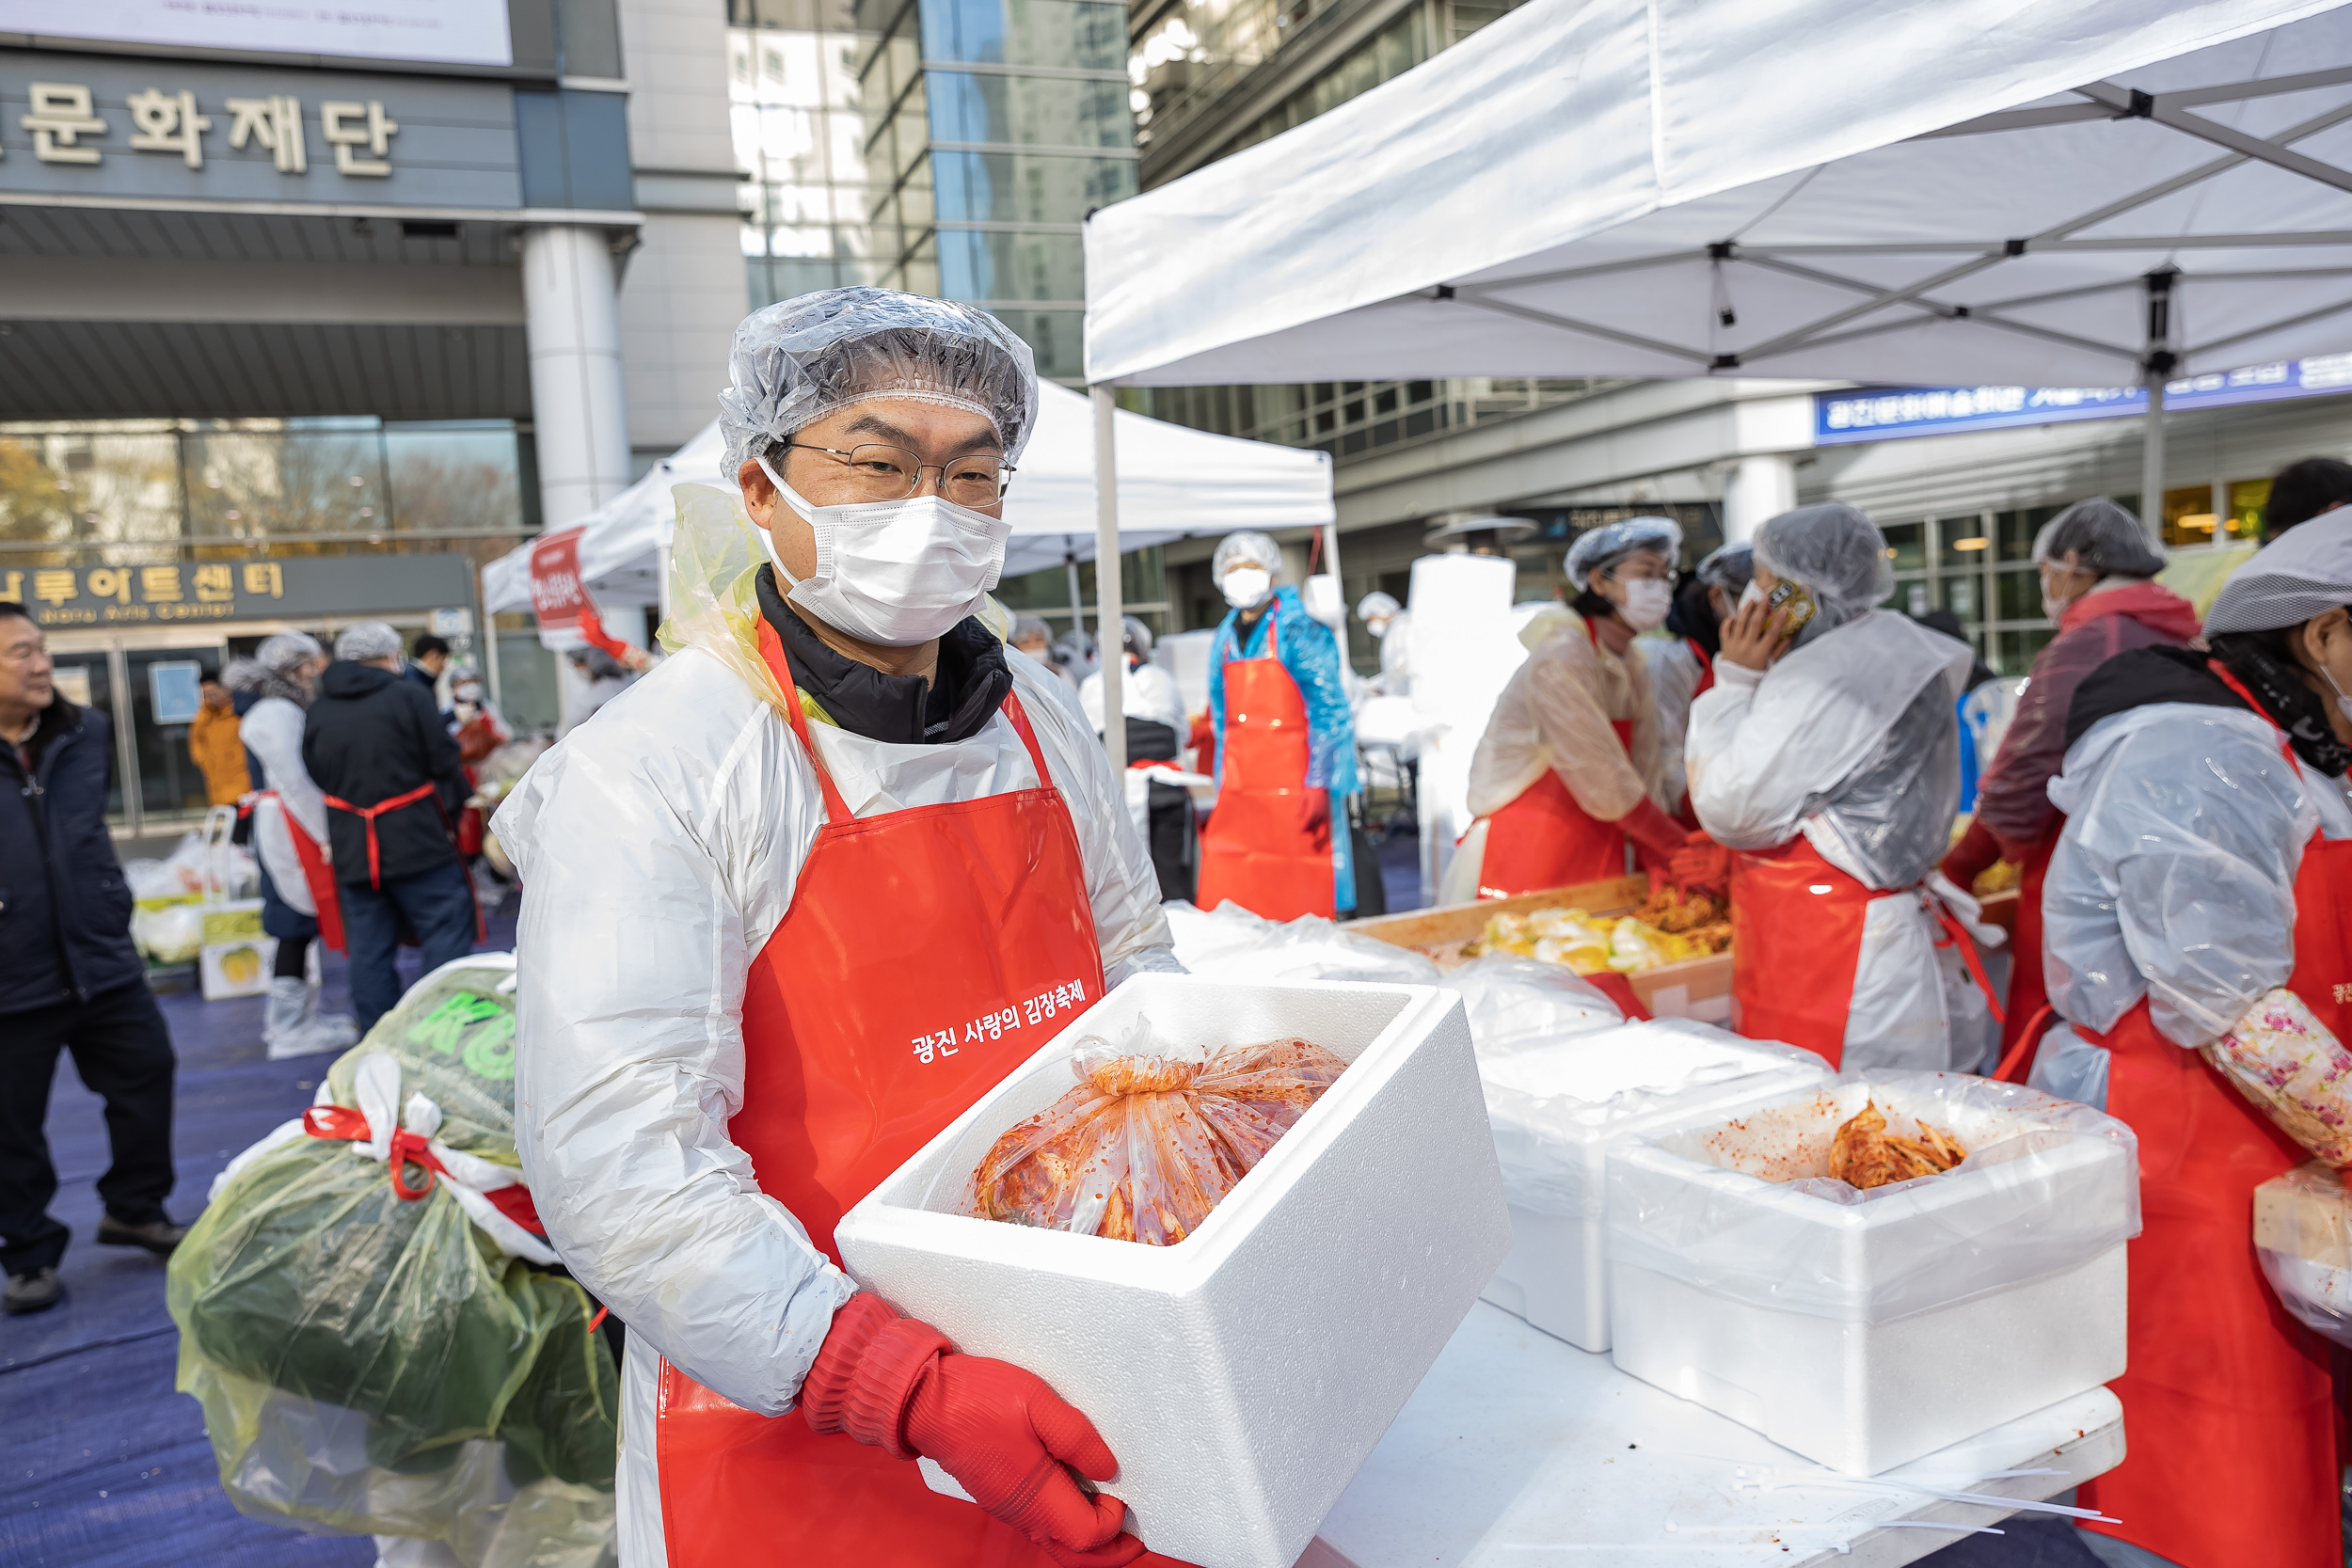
[
  {"x": 394, "y": 784},
  {"x": 70, "y": 979}
]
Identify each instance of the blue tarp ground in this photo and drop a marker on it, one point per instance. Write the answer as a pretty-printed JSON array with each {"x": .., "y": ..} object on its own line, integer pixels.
[{"x": 103, "y": 1462}]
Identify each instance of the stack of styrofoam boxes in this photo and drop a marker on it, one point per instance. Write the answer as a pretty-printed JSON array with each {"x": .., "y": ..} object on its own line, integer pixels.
[
  {"x": 1241, "y": 1375},
  {"x": 1556, "y": 1109},
  {"x": 1866, "y": 1334}
]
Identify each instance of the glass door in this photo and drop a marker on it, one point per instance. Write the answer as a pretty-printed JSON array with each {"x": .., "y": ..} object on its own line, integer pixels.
[{"x": 161, "y": 684}]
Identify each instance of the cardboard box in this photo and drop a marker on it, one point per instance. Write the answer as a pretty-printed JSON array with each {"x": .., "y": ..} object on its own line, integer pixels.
[
  {"x": 1556, "y": 1112},
  {"x": 1698, "y": 988},
  {"x": 1241, "y": 1375},
  {"x": 1866, "y": 1334},
  {"x": 237, "y": 957}
]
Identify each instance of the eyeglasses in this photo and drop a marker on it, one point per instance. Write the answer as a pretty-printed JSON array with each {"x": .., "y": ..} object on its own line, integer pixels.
[{"x": 888, "y": 473}]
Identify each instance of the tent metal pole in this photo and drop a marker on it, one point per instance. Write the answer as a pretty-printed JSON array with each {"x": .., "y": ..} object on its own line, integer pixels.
[
  {"x": 1110, "y": 603},
  {"x": 2157, "y": 369},
  {"x": 1077, "y": 604},
  {"x": 1338, "y": 583}
]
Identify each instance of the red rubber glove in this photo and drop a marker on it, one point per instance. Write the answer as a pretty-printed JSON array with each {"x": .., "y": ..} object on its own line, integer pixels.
[
  {"x": 1656, "y": 836},
  {"x": 999, "y": 1430},
  {"x": 1701, "y": 865},
  {"x": 1971, "y": 856}
]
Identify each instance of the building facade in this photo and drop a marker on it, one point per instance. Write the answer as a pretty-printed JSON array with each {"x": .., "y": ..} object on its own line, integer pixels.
[{"x": 304, "y": 318}]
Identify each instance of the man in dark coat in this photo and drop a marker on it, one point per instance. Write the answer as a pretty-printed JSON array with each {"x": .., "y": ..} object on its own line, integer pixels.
[
  {"x": 70, "y": 978},
  {"x": 394, "y": 785}
]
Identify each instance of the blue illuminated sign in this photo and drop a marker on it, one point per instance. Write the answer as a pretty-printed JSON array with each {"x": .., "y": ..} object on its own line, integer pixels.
[{"x": 1877, "y": 413}]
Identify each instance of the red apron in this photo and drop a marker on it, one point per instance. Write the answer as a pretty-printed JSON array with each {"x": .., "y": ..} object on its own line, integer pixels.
[
  {"x": 1796, "y": 937},
  {"x": 317, "y": 876},
  {"x": 853, "y": 1060},
  {"x": 1543, "y": 839},
  {"x": 2026, "y": 991},
  {"x": 368, "y": 814},
  {"x": 1267, "y": 846},
  {"x": 2228, "y": 1405}
]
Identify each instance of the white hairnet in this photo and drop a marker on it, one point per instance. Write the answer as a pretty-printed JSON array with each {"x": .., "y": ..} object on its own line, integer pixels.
[
  {"x": 1600, "y": 549},
  {"x": 795, "y": 362},
  {"x": 2304, "y": 573},
  {"x": 287, "y": 652},
  {"x": 1249, "y": 546},
  {"x": 2103, "y": 537},
  {"x": 1134, "y": 637},
  {"x": 366, "y": 639},
  {"x": 1835, "y": 553},
  {"x": 1376, "y": 606},
  {"x": 1729, "y": 567},
  {"x": 1029, "y": 626}
]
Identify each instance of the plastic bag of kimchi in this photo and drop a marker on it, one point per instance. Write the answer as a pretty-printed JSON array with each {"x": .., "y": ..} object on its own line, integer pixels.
[{"x": 1150, "y": 1141}]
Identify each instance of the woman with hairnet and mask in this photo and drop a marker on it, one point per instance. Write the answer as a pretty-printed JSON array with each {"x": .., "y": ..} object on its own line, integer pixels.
[
  {"x": 1285, "y": 748},
  {"x": 1682, "y": 668},
  {"x": 1566, "y": 778},
  {"x": 838, "y": 819},
  {"x": 1827, "y": 755},
  {"x": 2196, "y": 908},
  {"x": 299, "y": 899},
  {"x": 2096, "y": 562}
]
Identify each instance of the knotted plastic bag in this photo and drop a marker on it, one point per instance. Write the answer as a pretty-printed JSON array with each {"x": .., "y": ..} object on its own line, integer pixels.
[{"x": 1150, "y": 1141}]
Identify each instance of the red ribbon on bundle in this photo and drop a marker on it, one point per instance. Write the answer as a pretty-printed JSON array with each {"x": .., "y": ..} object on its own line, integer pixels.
[{"x": 342, "y": 1121}]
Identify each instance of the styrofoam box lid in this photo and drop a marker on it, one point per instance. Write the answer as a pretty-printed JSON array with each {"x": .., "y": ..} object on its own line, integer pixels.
[
  {"x": 1350, "y": 1020},
  {"x": 1640, "y": 1076}
]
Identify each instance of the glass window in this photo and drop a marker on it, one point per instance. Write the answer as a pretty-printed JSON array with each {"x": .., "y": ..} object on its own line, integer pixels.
[
  {"x": 170, "y": 784},
  {"x": 2017, "y": 595},
  {"x": 454, "y": 478},
  {"x": 2013, "y": 531},
  {"x": 1907, "y": 545},
  {"x": 987, "y": 265},
  {"x": 2014, "y": 650},
  {"x": 2188, "y": 516},
  {"x": 1964, "y": 543},
  {"x": 2249, "y": 501},
  {"x": 1959, "y": 595}
]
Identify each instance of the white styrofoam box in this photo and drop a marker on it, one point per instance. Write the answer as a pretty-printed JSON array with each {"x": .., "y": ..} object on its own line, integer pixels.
[
  {"x": 1241, "y": 1375},
  {"x": 1556, "y": 1110},
  {"x": 1867, "y": 1332}
]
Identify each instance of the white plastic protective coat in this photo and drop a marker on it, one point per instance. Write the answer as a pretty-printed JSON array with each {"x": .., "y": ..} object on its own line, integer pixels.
[
  {"x": 1151, "y": 694},
  {"x": 659, "y": 849},
  {"x": 1555, "y": 713},
  {"x": 1814, "y": 746},
  {"x": 2174, "y": 879},
  {"x": 1675, "y": 673},
  {"x": 272, "y": 731}
]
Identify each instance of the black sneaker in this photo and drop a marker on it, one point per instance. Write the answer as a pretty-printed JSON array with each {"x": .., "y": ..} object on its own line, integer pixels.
[
  {"x": 157, "y": 1236},
  {"x": 34, "y": 1290}
]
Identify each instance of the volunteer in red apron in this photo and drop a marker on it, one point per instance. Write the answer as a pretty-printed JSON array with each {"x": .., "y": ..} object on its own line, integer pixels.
[
  {"x": 1564, "y": 785},
  {"x": 795, "y": 901},
  {"x": 272, "y": 689},
  {"x": 2096, "y": 560},
  {"x": 1277, "y": 842},
  {"x": 1682, "y": 664},
  {"x": 1829, "y": 760},
  {"x": 2206, "y": 863}
]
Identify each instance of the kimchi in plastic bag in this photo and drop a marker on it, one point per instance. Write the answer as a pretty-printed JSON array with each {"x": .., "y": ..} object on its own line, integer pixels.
[{"x": 1150, "y": 1141}]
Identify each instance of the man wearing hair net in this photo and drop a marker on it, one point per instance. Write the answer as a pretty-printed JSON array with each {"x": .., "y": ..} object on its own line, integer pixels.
[
  {"x": 300, "y": 902},
  {"x": 1285, "y": 747},
  {"x": 1828, "y": 756},
  {"x": 2196, "y": 922},
  {"x": 2096, "y": 562},
  {"x": 1682, "y": 668},
  {"x": 1565, "y": 783},
  {"x": 767, "y": 894}
]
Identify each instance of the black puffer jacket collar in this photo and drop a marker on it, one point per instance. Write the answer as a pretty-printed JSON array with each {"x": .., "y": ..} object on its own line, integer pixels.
[{"x": 967, "y": 687}]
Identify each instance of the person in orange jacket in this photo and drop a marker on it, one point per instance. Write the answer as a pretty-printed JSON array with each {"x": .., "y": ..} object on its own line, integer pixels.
[{"x": 217, "y": 747}]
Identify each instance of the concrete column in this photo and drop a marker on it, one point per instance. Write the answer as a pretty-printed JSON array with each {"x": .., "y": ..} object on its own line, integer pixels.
[
  {"x": 577, "y": 399},
  {"x": 1757, "y": 488}
]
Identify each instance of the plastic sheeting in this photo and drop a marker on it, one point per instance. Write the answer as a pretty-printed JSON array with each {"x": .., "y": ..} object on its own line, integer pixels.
[
  {"x": 1557, "y": 711},
  {"x": 2303, "y": 1235},
  {"x": 2046, "y": 1185},
  {"x": 1687, "y": 187},
  {"x": 377, "y": 1365},
  {"x": 1232, "y": 944},
  {"x": 1518, "y": 1003}
]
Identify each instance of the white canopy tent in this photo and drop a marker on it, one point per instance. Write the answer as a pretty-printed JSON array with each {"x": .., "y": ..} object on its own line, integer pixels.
[
  {"x": 1982, "y": 190},
  {"x": 1173, "y": 482}
]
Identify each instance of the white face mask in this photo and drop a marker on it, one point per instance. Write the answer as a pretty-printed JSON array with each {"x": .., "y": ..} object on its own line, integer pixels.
[
  {"x": 2343, "y": 703},
  {"x": 1748, "y": 596},
  {"x": 1647, "y": 601},
  {"x": 1246, "y": 587},
  {"x": 893, "y": 573}
]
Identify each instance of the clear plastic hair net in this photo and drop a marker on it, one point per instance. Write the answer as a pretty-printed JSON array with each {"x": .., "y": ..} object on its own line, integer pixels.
[
  {"x": 2306, "y": 573},
  {"x": 2103, "y": 537},
  {"x": 1601, "y": 548},
  {"x": 1248, "y": 545},
  {"x": 1730, "y": 568},
  {"x": 1134, "y": 637},
  {"x": 287, "y": 652},
  {"x": 1029, "y": 628},
  {"x": 795, "y": 362},
  {"x": 1835, "y": 553},
  {"x": 1376, "y": 606},
  {"x": 367, "y": 640}
]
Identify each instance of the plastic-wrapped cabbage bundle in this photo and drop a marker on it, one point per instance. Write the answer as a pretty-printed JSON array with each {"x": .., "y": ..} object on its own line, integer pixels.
[
  {"x": 2303, "y": 1234},
  {"x": 380, "y": 1347}
]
